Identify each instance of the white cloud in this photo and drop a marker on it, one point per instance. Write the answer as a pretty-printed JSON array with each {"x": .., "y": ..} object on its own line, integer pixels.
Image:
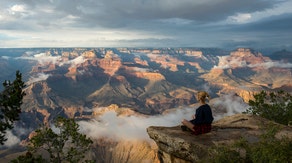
[
  {"x": 18, "y": 8},
  {"x": 129, "y": 127},
  {"x": 38, "y": 77},
  {"x": 240, "y": 18},
  {"x": 109, "y": 125},
  {"x": 272, "y": 64},
  {"x": 41, "y": 58},
  {"x": 11, "y": 139},
  {"x": 77, "y": 60},
  {"x": 44, "y": 59},
  {"x": 133, "y": 127},
  {"x": 226, "y": 62},
  {"x": 19, "y": 11},
  {"x": 5, "y": 57},
  {"x": 229, "y": 104}
]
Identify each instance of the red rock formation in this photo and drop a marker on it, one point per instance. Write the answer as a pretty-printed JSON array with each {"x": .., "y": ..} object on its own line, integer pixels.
[
  {"x": 89, "y": 54},
  {"x": 46, "y": 115},
  {"x": 153, "y": 76},
  {"x": 72, "y": 72},
  {"x": 141, "y": 62},
  {"x": 167, "y": 61},
  {"x": 194, "y": 53},
  {"x": 110, "y": 65},
  {"x": 71, "y": 111}
]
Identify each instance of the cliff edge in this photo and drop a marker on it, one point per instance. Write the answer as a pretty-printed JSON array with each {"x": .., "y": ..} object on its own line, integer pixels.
[{"x": 175, "y": 145}]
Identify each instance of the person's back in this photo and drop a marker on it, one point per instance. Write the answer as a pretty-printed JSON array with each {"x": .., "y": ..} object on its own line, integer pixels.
[{"x": 201, "y": 122}]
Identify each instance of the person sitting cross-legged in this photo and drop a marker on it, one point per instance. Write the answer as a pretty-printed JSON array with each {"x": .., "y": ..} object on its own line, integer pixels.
[{"x": 201, "y": 122}]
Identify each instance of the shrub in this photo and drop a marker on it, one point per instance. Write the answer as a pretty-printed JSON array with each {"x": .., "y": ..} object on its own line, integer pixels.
[
  {"x": 268, "y": 149},
  {"x": 10, "y": 102},
  {"x": 64, "y": 145},
  {"x": 275, "y": 106}
]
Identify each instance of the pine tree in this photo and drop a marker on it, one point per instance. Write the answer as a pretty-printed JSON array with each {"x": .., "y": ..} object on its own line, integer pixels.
[
  {"x": 65, "y": 144},
  {"x": 10, "y": 102}
]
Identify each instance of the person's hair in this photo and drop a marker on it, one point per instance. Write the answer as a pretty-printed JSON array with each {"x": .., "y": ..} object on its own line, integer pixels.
[{"x": 202, "y": 95}]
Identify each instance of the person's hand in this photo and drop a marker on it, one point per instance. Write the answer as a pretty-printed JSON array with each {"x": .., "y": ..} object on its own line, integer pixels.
[{"x": 194, "y": 116}]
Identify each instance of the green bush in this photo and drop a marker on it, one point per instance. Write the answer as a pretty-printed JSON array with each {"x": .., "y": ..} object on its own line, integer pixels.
[
  {"x": 66, "y": 145},
  {"x": 268, "y": 149},
  {"x": 10, "y": 102},
  {"x": 275, "y": 106}
]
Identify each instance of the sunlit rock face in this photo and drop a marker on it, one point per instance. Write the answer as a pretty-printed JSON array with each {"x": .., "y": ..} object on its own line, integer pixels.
[
  {"x": 112, "y": 151},
  {"x": 175, "y": 145},
  {"x": 72, "y": 82},
  {"x": 150, "y": 80},
  {"x": 246, "y": 72}
]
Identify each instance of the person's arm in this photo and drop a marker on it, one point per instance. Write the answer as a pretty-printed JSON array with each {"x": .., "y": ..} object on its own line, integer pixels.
[
  {"x": 199, "y": 116},
  {"x": 208, "y": 117}
]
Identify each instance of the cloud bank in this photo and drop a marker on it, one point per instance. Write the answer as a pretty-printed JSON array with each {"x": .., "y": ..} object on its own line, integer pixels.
[
  {"x": 41, "y": 58},
  {"x": 11, "y": 139},
  {"x": 5, "y": 57},
  {"x": 226, "y": 62},
  {"x": 116, "y": 127},
  {"x": 109, "y": 125},
  {"x": 37, "y": 78},
  {"x": 72, "y": 23},
  {"x": 45, "y": 59}
]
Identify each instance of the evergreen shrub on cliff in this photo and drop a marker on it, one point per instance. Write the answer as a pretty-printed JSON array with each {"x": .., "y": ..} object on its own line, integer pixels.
[
  {"x": 10, "y": 102},
  {"x": 267, "y": 149},
  {"x": 275, "y": 106},
  {"x": 65, "y": 144}
]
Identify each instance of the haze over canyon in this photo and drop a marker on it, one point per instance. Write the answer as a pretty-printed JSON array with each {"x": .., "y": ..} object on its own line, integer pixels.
[{"x": 116, "y": 93}]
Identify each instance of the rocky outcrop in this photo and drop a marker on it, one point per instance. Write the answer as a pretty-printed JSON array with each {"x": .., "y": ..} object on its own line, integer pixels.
[
  {"x": 175, "y": 145},
  {"x": 145, "y": 79},
  {"x": 245, "y": 72},
  {"x": 89, "y": 54},
  {"x": 150, "y": 75},
  {"x": 110, "y": 65},
  {"x": 166, "y": 61}
]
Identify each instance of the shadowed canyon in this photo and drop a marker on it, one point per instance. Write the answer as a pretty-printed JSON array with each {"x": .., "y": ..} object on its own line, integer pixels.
[{"x": 116, "y": 93}]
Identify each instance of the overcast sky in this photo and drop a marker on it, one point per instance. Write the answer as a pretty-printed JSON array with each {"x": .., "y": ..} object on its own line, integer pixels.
[{"x": 145, "y": 23}]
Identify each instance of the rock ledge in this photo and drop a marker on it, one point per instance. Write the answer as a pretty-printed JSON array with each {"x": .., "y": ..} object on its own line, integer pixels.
[{"x": 175, "y": 145}]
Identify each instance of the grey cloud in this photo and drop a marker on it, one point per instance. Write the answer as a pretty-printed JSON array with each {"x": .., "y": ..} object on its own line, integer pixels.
[
  {"x": 122, "y": 13},
  {"x": 117, "y": 13},
  {"x": 151, "y": 42},
  {"x": 270, "y": 32},
  {"x": 186, "y": 9},
  {"x": 278, "y": 23},
  {"x": 181, "y": 23}
]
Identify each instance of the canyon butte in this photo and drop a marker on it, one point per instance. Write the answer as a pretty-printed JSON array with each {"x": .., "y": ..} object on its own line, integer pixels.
[{"x": 73, "y": 82}]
